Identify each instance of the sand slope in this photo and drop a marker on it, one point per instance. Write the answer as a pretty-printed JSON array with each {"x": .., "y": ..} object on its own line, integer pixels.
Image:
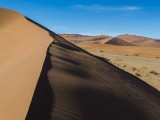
[
  {"x": 23, "y": 47},
  {"x": 75, "y": 85}
]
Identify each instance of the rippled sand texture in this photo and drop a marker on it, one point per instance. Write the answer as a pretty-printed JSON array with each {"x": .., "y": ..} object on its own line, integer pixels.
[{"x": 75, "y": 85}]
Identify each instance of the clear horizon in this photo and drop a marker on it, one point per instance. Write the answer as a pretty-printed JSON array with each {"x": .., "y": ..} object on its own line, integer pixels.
[{"x": 91, "y": 17}]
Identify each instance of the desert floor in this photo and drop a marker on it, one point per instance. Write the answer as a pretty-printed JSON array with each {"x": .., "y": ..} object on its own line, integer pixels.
[{"x": 143, "y": 62}]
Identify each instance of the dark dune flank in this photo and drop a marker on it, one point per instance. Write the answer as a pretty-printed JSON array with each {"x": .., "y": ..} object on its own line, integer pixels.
[{"x": 75, "y": 85}]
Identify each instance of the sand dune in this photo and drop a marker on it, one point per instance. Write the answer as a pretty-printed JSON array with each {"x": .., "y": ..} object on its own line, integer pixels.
[
  {"x": 85, "y": 39},
  {"x": 23, "y": 47},
  {"x": 118, "y": 41},
  {"x": 80, "y": 86},
  {"x": 139, "y": 40},
  {"x": 73, "y": 84},
  {"x": 125, "y": 39}
]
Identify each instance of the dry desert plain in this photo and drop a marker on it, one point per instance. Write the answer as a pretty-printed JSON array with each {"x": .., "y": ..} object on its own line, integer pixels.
[{"x": 143, "y": 62}]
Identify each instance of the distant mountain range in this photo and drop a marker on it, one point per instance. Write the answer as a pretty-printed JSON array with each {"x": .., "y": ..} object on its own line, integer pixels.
[{"x": 123, "y": 40}]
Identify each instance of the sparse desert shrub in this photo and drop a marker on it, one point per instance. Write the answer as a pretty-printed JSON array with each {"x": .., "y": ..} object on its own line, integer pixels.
[
  {"x": 144, "y": 67},
  {"x": 101, "y": 51},
  {"x": 154, "y": 72},
  {"x": 138, "y": 75},
  {"x": 108, "y": 60},
  {"x": 126, "y": 55},
  {"x": 134, "y": 69},
  {"x": 157, "y": 57},
  {"x": 124, "y": 65},
  {"x": 136, "y": 54},
  {"x": 118, "y": 59}
]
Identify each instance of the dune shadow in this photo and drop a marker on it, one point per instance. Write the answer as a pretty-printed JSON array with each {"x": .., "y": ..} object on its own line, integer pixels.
[
  {"x": 66, "y": 46},
  {"x": 69, "y": 60},
  {"x": 106, "y": 106},
  {"x": 80, "y": 73},
  {"x": 42, "y": 102},
  {"x": 134, "y": 80}
]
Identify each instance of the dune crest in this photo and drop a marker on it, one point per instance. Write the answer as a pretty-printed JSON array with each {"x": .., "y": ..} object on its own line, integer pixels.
[
  {"x": 9, "y": 19},
  {"x": 23, "y": 47}
]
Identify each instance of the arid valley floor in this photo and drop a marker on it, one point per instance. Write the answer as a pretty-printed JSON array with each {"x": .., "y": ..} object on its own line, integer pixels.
[{"x": 143, "y": 62}]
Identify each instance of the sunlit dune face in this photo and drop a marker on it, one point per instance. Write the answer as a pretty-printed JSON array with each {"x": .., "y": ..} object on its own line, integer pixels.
[
  {"x": 9, "y": 19},
  {"x": 23, "y": 47}
]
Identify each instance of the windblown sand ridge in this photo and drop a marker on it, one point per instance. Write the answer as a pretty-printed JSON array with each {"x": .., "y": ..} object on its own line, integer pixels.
[{"x": 23, "y": 47}]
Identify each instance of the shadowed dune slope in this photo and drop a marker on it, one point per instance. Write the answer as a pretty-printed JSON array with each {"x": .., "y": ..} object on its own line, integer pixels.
[
  {"x": 23, "y": 47},
  {"x": 118, "y": 41},
  {"x": 75, "y": 85}
]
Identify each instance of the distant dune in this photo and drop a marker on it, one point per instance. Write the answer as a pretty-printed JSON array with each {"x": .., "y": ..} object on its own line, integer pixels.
[
  {"x": 72, "y": 84},
  {"x": 158, "y": 40},
  {"x": 139, "y": 40},
  {"x": 128, "y": 40},
  {"x": 118, "y": 41},
  {"x": 83, "y": 39}
]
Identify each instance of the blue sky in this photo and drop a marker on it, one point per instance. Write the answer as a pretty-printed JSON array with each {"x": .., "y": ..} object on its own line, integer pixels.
[{"x": 93, "y": 17}]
